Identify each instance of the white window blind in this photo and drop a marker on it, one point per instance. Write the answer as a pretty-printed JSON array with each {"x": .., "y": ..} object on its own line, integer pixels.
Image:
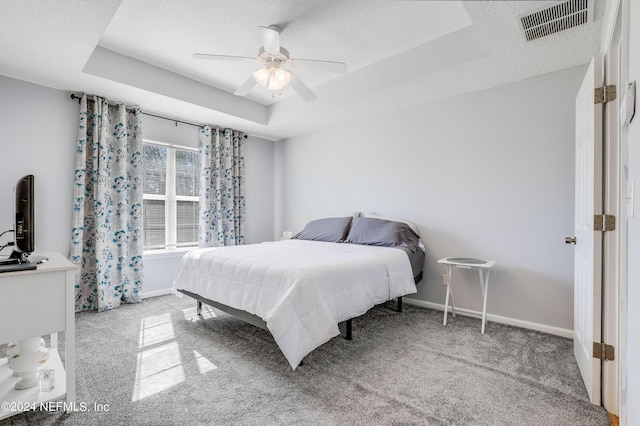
[{"x": 171, "y": 195}]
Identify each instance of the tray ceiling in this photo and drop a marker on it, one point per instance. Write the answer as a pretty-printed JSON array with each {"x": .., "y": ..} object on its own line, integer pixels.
[{"x": 399, "y": 54}]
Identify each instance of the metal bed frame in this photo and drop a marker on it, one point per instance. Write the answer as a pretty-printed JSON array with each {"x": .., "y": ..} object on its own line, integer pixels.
[
  {"x": 254, "y": 319},
  {"x": 259, "y": 322}
]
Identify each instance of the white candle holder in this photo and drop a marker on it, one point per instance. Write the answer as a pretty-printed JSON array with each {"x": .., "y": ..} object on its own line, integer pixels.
[{"x": 27, "y": 356}]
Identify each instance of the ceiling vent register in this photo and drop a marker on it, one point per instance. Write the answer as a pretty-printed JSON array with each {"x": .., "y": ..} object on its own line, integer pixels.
[{"x": 557, "y": 18}]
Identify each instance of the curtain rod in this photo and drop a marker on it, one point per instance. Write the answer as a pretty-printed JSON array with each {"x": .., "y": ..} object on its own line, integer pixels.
[{"x": 74, "y": 96}]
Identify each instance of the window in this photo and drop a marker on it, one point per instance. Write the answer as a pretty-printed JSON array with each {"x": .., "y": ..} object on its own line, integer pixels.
[{"x": 171, "y": 187}]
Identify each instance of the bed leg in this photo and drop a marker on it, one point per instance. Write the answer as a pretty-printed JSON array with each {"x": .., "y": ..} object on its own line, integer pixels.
[
  {"x": 349, "y": 335},
  {"x": 199, "y": 309},
  {"x": 399, "y": 307}
]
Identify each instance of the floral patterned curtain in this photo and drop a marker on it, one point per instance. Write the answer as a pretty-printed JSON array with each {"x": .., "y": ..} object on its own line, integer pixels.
[
  {"x": 107, "y": 240},
  {"x": 222, "y": 192}
]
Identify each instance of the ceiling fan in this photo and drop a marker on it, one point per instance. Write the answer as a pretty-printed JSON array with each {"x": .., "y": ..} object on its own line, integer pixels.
[{"x": 275, "y": 72}]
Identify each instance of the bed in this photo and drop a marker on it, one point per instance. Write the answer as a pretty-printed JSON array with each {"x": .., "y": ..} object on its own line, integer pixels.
[{"x": 300, "y": 289}]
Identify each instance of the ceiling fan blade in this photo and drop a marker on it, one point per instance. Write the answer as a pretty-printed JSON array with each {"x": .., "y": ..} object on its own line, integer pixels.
[
  {"x": 246, "y": 87},
  {"x": 328, "y": 66},
  {"x": 222, "y": 57},
  {"x": 301, "y": 88},
  {"x": 271, "y": 39}
]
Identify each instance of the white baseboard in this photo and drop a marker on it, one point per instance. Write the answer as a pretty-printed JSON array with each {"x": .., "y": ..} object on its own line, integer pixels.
[
  {"x": 563, "y": 332},
  {"x": 163, "y": 292}
]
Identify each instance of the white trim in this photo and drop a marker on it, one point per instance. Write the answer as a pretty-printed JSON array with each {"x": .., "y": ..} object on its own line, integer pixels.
[
  {"x": 549, "y": 329},
  {"x": 557, "y": 331},
  {"x": 613, "y": 183},
  {"x": 608, "y": 24},
  {"x": 155, "y": 197},
  {"x": 194, "y": 198},
  {"x": 623, "y": 351},
  {"x": 170, "y": 197},
  {"x": 170, "y": 206},
  {"x": 159, "y": 254},
  {"x": 170, "y": 145},
  {"x": 148, "y": 294}
]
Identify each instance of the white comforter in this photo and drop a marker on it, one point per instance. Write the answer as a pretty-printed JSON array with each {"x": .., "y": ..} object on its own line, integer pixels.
[{"x": 301, "y": 289}]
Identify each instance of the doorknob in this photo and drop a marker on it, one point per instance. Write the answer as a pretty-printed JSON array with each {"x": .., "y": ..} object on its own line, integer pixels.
[{"x": 570, "y": 240}]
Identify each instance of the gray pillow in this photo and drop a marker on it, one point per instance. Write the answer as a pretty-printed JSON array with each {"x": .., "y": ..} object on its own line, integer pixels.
[
  {"x": 331, "y": 229},
  {"x": 379, "y": 232}
]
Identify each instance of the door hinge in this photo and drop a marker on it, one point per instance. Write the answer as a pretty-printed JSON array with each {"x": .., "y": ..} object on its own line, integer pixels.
[
  {"x": 604, "y": 222},
  {"x": 603, "y": 351},
  {"x": 604, "y": 94}
]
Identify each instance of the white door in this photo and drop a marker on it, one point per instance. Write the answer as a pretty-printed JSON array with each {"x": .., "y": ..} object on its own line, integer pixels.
[{"x": 588, "y": 243}]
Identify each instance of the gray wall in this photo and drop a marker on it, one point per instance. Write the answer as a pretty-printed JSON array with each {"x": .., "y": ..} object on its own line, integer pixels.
[
  {"x": 486, "y": 175},
  {"x": 38, "y": 133}
]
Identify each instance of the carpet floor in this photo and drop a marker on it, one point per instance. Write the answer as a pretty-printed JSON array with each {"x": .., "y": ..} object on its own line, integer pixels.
[{"x": 157, "y": 363}]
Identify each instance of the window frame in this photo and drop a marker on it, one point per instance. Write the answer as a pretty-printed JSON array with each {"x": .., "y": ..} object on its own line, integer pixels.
[{"x": 171, "y": 200}]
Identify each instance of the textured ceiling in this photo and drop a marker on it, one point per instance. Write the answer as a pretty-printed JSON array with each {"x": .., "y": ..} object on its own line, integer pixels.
[
  {"x": 399, "y": 54},
  {"x": 357, "y": 32}
]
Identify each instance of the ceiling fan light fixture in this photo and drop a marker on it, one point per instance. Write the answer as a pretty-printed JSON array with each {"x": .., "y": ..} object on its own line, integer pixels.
[
  {"x": 272, "y": 56},
  {"x": 273, "y": 78},
  {"x": 279, "y": 79},
  {"x": 261, "y": 76}
]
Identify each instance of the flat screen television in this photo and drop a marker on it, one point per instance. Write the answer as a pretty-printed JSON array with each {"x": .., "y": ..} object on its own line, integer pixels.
[
  {"x": 25, "y": 223},
  {"x": 25, "y": 215}
]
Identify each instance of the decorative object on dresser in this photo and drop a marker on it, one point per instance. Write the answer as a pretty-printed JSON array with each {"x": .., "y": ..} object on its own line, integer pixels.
[{"x": 28, "y": 357}]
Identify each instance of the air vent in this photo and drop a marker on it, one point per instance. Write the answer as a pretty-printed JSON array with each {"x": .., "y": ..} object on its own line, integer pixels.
[{"x": 557, "y": 18}]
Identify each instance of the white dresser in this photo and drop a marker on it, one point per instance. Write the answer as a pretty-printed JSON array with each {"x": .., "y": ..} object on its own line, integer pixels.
[{"x": 36, "y": 303}]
